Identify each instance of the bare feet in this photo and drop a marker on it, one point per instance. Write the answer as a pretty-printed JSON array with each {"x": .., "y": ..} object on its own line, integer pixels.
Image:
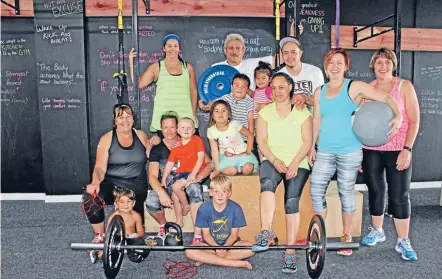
[
  {"x": 238, "y": 263},
  {"x": 186, "y": 209},
  {"x": 244, "y": 264},
  {"x": 180, "y": 223}
]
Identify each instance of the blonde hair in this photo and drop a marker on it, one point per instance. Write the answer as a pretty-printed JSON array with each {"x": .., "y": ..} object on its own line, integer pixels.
[
  {"x": 383, "y": 52},
  {"x": 234, "y": 37},
  {"x": 187, "y": 119},
  {"x": 221, "y": 181}
]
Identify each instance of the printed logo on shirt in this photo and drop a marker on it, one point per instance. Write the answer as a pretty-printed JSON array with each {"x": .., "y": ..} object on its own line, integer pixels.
[
  {"x": 220, "y": 228},
  {"x": 304, "y": 87}
]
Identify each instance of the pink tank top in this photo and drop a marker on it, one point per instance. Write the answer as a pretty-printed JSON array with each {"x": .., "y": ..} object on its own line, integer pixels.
[
  {"x": 261, "y": 96},
  {"x": 398, "y": 141}
]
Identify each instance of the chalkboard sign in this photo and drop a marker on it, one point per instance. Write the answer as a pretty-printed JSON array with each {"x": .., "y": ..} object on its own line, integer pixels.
[
  {"x": 22, "y": 163},
  {"x": 427, "y": 152},
  {"x": 59, "y": 39},
  {"x": 202, "y": 45}
]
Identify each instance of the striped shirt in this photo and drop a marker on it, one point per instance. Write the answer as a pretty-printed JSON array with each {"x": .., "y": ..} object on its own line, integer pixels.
[{"x": 240, "y": 109}]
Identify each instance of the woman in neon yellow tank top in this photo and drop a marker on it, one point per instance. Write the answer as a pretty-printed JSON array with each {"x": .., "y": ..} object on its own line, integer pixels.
[{"x": 175, "y": 82}]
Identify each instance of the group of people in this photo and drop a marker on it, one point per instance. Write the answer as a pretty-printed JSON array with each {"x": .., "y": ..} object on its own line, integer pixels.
[{"x": 287, "y": 125}]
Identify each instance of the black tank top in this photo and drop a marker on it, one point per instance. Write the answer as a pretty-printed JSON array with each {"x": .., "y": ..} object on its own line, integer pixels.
[{"x": 126, "y": 166}]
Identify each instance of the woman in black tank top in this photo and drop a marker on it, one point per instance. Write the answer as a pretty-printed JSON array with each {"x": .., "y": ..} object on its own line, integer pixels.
[{"x": 120, "y": 161}]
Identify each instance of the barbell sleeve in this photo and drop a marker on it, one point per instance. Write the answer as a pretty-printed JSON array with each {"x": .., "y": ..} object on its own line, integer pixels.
[{"x": 332, "y": 246}]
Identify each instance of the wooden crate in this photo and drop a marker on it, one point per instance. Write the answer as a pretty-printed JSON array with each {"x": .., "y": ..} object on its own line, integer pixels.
[
  {"x": 246, "y": 192},
  {"x": 151, "y": 226}
]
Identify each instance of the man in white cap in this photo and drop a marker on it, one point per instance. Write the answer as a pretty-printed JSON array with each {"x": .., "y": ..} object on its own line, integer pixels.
[{"x": 306, "y": 77}]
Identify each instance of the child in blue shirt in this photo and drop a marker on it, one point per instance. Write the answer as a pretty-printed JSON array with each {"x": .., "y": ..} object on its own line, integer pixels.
[{"x": 220, "y": 220}]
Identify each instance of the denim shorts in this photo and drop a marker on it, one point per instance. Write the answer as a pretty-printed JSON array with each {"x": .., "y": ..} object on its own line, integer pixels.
[{"x": 194, "y": 194}]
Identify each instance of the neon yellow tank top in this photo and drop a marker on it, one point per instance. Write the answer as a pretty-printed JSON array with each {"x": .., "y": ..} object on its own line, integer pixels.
[{"x": 172, "y": 94}]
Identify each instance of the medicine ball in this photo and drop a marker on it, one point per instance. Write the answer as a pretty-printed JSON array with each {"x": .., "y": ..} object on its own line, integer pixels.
[{"x": 370, "y": 123}]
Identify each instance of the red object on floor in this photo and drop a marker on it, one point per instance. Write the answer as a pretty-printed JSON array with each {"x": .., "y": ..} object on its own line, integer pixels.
[
  {"x": 176, "y": 269},
  {"x": 301, "y": 242}
]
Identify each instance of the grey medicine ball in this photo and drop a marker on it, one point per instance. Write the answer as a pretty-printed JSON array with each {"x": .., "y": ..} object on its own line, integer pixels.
[{"x": 370, "y": 123}]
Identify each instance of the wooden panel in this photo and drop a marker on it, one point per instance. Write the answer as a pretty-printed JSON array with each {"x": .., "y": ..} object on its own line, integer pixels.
[
  {"x": 246, "y": 191},
  {"x": 26, "y": 9},
  {"x": 231, "y": 8},
  {"x": 441, "y": 193},
  {"x": 413, "y": 39},
  {"x": 151, "y": 226}
]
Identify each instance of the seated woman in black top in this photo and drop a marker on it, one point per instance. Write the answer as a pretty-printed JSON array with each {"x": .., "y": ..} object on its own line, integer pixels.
[{"x": 120, "y": 161}]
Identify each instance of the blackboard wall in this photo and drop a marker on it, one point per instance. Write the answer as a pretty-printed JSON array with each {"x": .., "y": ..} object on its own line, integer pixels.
[
  {"x": 22, "y": 163},
  {"x": 56, "y": 147}
]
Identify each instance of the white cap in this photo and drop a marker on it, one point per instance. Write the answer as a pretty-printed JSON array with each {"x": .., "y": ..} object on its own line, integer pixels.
[{"x": 287, "y": 40}]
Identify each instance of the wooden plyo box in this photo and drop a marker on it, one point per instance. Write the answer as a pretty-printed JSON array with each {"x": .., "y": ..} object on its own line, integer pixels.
[
  {"x": 246, "y": 192},
  {"x": 151, "y": 226}
]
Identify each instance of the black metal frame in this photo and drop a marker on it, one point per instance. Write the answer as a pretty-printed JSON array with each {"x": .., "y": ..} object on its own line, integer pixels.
[
  {"x": 292, "y": 7},
  {"x": 135, "y": 45},
  {"x": 16, "y": 7},
  {"x": 397, "y": 16},
  {"x": 147, "y": 4}
]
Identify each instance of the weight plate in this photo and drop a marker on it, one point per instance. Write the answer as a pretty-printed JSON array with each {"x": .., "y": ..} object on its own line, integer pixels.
[
  {"x": 215, "y": 82},
  {"x": 137, "y": 256},
  {"x": 316, "y": 256},
  {"x": 112, "y": 256}
]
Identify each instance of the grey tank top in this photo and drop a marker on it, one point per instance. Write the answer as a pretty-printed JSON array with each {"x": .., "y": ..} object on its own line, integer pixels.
[{"x": 127, "y": 165}]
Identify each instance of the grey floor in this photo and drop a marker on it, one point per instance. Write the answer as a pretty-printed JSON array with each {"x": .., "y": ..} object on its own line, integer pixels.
[{"x": 35, "y": 240}]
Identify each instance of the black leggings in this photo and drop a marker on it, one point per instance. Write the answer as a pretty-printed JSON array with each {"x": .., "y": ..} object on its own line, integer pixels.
[
  {"x": 270, "y": 179},
  {"x": 373, "y": 165},
  {"x": 95, "y": 214}
]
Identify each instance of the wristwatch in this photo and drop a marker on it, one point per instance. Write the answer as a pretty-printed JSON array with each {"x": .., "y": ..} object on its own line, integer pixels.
[{"x": 407, "y": 148}]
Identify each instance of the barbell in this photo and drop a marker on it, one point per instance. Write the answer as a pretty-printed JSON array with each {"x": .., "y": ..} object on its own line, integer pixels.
[{"x": 115, "y": 244}]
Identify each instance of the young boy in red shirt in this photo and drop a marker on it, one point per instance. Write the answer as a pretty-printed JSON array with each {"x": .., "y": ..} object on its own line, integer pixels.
[{"x": 189, "y": 154}]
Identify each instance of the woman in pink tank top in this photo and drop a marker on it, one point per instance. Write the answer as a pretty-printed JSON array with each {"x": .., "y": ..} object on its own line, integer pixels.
[{"x": 393, "y": 158}]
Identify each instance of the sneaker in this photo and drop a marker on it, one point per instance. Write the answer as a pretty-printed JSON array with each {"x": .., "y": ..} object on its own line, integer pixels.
[
  {"x": 95, "y": 255},
  {"x": 289, "y": 265},
  {"x": 407, "y": 252},
  {"x": 263, "y": 240},
  {"x": 197, "y": 240},
  {"x": 373, "y": 237},
  {"x": 162, "y": 232},
  {"x": 345, "y": 252}
]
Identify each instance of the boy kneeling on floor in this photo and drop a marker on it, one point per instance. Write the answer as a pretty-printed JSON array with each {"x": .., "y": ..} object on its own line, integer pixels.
[{"x": 220, "y": 219}]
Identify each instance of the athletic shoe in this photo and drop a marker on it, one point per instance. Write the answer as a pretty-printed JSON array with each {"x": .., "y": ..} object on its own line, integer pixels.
[
  {"x": 407, "y": 252},
  {"x": 263, "y": 240},
  {"x": 95, "y": 255},
  {"x": 289, "y": 265},
  {"x": 345, "y": 252},
  {"x": 197, "y": 240},
  {"x": 373, "y": 237},
  {"x": 162, "y": 232}
]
